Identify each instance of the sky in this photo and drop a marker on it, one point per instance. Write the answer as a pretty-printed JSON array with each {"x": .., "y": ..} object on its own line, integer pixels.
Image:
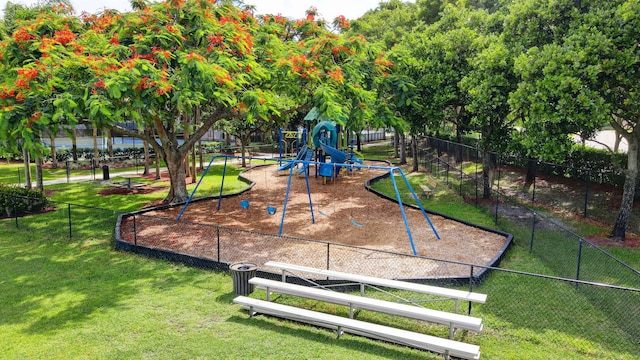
[{"x": 327, "y": 9}]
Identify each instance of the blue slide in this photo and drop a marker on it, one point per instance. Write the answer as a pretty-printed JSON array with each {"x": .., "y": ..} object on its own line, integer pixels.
[
  {"x": 301, "y": 154},
  {"x": 337, "y": 157}
]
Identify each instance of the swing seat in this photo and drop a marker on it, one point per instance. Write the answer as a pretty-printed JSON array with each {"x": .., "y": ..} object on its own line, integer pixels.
[
  {"x": 244, "y": 204},
  {"x": 271, "y": 210},
  {"x": 355, "y": 223}
]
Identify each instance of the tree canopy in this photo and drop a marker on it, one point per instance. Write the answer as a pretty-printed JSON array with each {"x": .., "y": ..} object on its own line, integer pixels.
[{"x": 156, "y": 64}]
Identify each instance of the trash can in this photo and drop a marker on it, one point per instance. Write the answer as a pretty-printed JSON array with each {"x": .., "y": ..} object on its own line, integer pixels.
[
  {"x": 241, "y": 273},
  {"x": 105, "y": 172}
]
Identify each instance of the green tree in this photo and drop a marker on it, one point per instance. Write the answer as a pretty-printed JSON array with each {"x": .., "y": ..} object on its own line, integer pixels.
[
  {"x": 583, "y": 79},
  {"x": 488, "y": 85}
]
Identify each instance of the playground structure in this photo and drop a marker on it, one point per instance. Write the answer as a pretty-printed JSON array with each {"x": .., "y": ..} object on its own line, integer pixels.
[
  {"x": 290, "y": 142},
  {"x": 323, "y": 148},
  {"x": 271, "y": 210},
  {"x": 329, "y": 161}
]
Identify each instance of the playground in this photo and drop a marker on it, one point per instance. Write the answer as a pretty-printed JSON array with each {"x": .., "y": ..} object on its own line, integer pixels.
[
  {"x": 320, "y": 195},
  {"x": 344, "y": 212}
]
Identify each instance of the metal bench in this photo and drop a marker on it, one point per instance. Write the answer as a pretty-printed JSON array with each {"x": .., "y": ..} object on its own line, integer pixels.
[
  {"x": 341, "y": 324},
  {"x": 454, "y": 321},
  {"x": 456, "y": 295}
]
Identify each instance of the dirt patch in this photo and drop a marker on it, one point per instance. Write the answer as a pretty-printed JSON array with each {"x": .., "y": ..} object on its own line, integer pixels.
[
  {"x": 343, "y": 212},
  {"x": 631, "y": 241}
]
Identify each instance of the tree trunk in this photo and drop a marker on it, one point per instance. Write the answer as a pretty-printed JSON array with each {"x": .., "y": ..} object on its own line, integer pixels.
[
  {"x": 396, "y": 144},
  {"x": 145, "y": 146},
  {"x": 96, "y": 152},
  {"x": 200, "y": 155},
  {"x": 27, "y": 168},
  {"x": 194, "y": 167},
  {"x": 244, "y": 140},
  {"x": 624, "y": 213},
  {"x": 157, "y": 167},
  {"x": 459, "y": 146},
  {"x": 414, "y": 153},
  {"x": 54, "y": 155},
  {"x": 39, "y": 180},
  {"x": 109, "y": 143},
  {"x": 176, "y": 167},
  {"x": 532, "y": 170},
  {"x": 185, "y": 137},
  {"x": 487, "y": 168},
  {"x": 403, "y": 149},
  {"x": 74, "y": 145}
]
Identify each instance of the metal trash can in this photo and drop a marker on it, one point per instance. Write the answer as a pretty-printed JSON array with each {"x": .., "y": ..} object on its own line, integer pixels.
[
  {"x": 241, "y": 273},
  {"x": 105, "y": 172}
]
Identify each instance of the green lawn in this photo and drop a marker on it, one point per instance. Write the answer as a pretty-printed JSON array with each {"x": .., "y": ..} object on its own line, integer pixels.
[{"x": 77, "y": 298}]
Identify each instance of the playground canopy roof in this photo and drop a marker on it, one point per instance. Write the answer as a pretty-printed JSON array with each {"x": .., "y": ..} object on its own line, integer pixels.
[{"x": 315, "y": 114}]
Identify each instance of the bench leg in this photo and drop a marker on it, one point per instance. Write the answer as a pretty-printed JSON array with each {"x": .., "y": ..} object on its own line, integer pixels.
[{"x": 340, "y": 332}]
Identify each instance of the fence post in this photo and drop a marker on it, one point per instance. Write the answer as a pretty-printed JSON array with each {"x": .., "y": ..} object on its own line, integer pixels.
[
  {"x": 448, "y": 166},
  {"x": 579, "y": 260},
  {"x": 218, "y": 241},
  {"x": 461, "y": 173},
  {"x": 68, "y": 171},
  {"x": 15, "y": 212},
  {"x": 533, "y": 231},
  {"x": 476, "y": 182},
  {"x": 498, "y": 190},
  {"x": 470, "y": 289},
  {"x": 135, "y": 231},
  {"x": 69, "y": 217},
  {"x": 328, "y": 247}
]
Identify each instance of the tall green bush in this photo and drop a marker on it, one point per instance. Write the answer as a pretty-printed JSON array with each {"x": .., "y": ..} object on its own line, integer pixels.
[{"x": 18, "y": 201}]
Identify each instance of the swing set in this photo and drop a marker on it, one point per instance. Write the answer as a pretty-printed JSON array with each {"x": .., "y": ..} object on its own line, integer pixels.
[{"x": 271, "y": 210}]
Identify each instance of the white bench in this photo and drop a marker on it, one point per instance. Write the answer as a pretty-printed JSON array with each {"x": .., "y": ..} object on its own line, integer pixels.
[
  {"x": 426, "y": 191},
  {"x": 454, "y": 321},
  {"x": 341, "y": 324},
  {"x": 453, "y": 294}
]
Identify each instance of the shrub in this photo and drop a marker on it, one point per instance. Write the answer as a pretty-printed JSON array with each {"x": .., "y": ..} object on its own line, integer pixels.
[{"x": 18, "y": 201}]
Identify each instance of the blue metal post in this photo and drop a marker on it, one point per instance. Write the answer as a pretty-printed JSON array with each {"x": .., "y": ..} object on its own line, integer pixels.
[
  {"x": 198, "y": 184},
  {"x": 224, "y": 172},
  {"x": 286, "y": 198},
  {"x": 404, "y": 216},
  {"x": 415, "y": 197},
  {"x": 306, "y": 178}
]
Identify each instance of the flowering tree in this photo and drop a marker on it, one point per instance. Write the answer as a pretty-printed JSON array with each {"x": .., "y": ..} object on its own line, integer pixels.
[
  {"x": 157, "y": 64},
  {"x": 30, "y": 88}
]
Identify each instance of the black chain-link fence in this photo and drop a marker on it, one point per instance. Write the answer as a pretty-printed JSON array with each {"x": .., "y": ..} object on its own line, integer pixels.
[
  {"x": 595, "y": 312},
  {"x": 555, "y": 243}
]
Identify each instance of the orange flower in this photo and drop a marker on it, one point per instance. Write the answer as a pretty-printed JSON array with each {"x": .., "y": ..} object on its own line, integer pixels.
[
  {"x": 64, "y": 36},
  {"x": 336, "y": 74}
]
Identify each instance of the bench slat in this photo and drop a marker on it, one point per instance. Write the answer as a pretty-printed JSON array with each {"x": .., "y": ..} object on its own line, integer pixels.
[
  {"x": 359, "y": 302},
  {"x": 405, "y": 337},
  {"x": 396, "y": 284}
]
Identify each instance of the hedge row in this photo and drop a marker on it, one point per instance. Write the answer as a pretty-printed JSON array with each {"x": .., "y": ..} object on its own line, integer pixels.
[
  {"x": 601, "y": 166},
  {"x": 18, "y": 201}
]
